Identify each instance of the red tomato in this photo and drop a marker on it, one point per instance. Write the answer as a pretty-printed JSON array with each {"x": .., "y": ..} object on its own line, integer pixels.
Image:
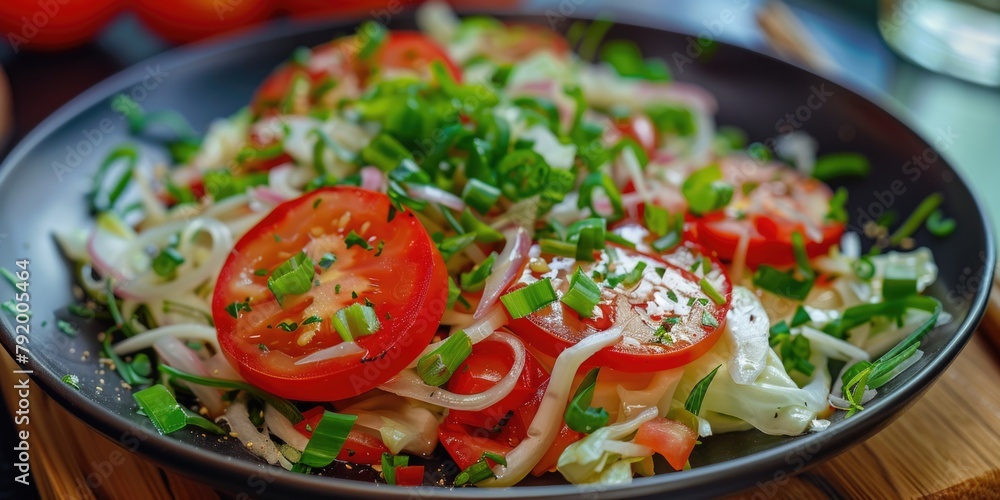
[
  {"x": 338, "y": 60},
  {"x": 188, "y": 20},
  {"x": 466, "y": 445},
  {"x": 549, "y": 460},
  {"x": 672, "y": 439},
  {"x": 410, "y": 475},
  {"x": 408, "y": 305},
  {"x": 489, "y": 362},
  {"x": 360, "y": 448},
  {"x": 769, "y": 204},
  {"x": 53, "y": 24},
  {"x": 692, "y": 329}
]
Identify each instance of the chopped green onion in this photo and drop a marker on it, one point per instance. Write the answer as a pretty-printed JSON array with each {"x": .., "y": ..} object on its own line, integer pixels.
[
  {"x": 583, "y": 294},
  {"x": 66, "y": 328},
  {"x": 327, "y": 260},
  {"x": 580, "y": 416},
  {"x": 292, "y": 277},
  {"x": 389, "y": 464},
  {"x": 694, "y": 400},
  {"x": 522, "y": 174},
  {"x": 162, "y": 409},
  {"x": 618, "y": 240},
  {"x": 832, "y": 166},
  {"x": 801, "y": 257},
  {"x": 282, "y": 405},
  {"x": 327, "y": 439},
  {"x": 101, "y": 199},
  {"x": 437, "y": 367},
  {"x": 475, "y": 280},
  {"x": 603, "y": 182},
  {"x": 372, "y": 35},
  {"x": 705, "y": 191},
  {"x": 781, "y": 283},
  {"x": 222, "y": 184},
  {"x": 474, "y": 473},
  {"x": 672, "y": 120},
  {"x": 356, "y": 320},
  {"x": 480, "y": 195},
  {"x": 838, "y": 202},
  {"x": 71, "y": 380},
  {"x": 484, "y": 233},
  {"x": 385, "y": 152},
  {"x": 656, "y": 219},
  {"x": 864, "y": 268},
  {"x": 454, "y": 244},
  {"x": 938, "y": 225},
  {"x": 166, "y": 262},
  {"x": 800, "y": 317},
  {"x": 917, "y": 218},
  {"x": 125, "y": 370},
  {"x": 635, "y": 275},
  {"x": 524, "y": 301},
  {"x": 556, "y": 247},
  {"x": 706, "y": 286},
  {"x": 202, "y": 422},
  {"x": 354, "y": 239},
  {"x": 900, "y": 281}
]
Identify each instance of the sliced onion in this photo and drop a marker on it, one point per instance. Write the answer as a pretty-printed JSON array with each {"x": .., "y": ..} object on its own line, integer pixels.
[
  {"x": 144, "y": 285},
  {"x": 218, "y": 367},
  {"x": 506, "y": 268},
  {"x": 337, "y": 351},
  {"x": 747, "y": 329},
  {"x": 545, "y": 426},
  {"x": 267, "y": 195},
  {"x": 627, "y": 449},
  {"x": 178, "y": 355},
  {"x": 109, "y": 239},
  {"x": 409, "y": 384},
  {"x": 477, "y": 332},
  {"x": 237, "y": 417},
  {"x": 279, "y": 180},
  {"x": 833, "y": 347},
  {"x": 372, "y": 179},
  {"x": 850, "y": 245},
  {"x": 437, "y": 196},
  {"x": 146, "y": 339},
  {"x": 908, "y": 362},
  {"x": 280, "y": 426}
]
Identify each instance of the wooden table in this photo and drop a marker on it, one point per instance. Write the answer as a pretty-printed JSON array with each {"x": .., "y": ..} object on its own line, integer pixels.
[{"x": 946, "y": 445}]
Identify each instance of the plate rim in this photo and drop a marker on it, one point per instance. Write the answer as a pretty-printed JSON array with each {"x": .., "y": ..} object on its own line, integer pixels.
[{"x": 189, "y": 460}]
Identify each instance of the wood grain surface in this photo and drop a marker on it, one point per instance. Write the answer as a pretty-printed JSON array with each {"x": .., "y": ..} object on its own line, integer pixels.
[{"x": 947, "y": 445}]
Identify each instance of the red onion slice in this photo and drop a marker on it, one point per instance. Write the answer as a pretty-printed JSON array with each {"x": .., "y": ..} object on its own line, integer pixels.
[
  {"x": 506, "y": 269},
  {"x": 178, "y": 355}
]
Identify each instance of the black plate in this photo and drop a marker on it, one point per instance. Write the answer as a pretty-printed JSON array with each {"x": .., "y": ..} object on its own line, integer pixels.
[{"x": 43, "y": 182}]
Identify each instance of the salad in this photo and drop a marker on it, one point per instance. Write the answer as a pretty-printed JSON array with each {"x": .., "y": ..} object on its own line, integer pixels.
[{"x": 471, "y": 243}]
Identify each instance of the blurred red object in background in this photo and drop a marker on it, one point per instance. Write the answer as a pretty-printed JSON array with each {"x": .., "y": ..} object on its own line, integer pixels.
[
  {"x": 54, "y": 24},
  {"x": 58, "y": 24},
  {"x": 189, "y": 20}
]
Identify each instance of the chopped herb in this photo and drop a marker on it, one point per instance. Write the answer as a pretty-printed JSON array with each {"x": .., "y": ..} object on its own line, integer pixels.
[
  {"x": 288, "y": 327},
  {"x": 235, "y": 308},
  {"x": 353, "y": 239},
  {"x": 66, "y": 328},
  {"x": 708, "y": 320},
  {"x": 71, "y": 380},
  {"x": 327, "y": 260}
]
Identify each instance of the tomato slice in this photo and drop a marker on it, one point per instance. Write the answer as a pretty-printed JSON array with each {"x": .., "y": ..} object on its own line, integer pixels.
[
  {"x": 268, "y": 343},
  {"x": 692, "y": 322},
  {"x": 466, "y": 445},
  {"x": 672, "y": 439},
  {"x": 410, "y": 475},
  {"x": 770, "y": 203},
  {"x": 359, "y": 448},
  {"x": 489, "y": 362},
  {"x": 337, "y": 63}
]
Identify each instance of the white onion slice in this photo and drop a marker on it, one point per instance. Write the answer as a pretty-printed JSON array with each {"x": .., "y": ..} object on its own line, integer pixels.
[
  {"x": 409, "y": 384},
  {"x": 237, "y": 417},
  {"x": 219, "y": 367},
  {"x": 280, "y": 426},
  {"x": 145, "y": 285},
  {"x": 545, "y": 426},
  {"x": 477, "y": 332},
  {"x": 267, "y": 195},
  {"x": 833, "y": 347},
  {"x": 337, "y": 351},
  {"x": 147, "y": 338},
  {"x": 747, "y": 329},
  {"x": 436, "y": 195},
  {"x": 506, "y": 268},
  {"x": 279, "y": 180},
  {"x": 178, "y": 355}
]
